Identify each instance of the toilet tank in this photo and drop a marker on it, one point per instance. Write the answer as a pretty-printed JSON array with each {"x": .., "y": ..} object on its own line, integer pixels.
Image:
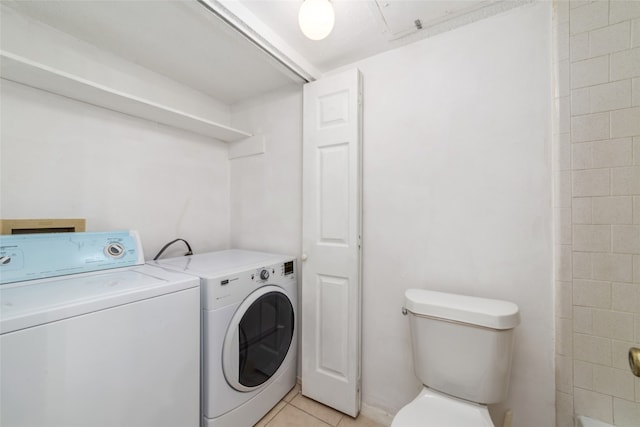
[{"x": 462, "y": 345}]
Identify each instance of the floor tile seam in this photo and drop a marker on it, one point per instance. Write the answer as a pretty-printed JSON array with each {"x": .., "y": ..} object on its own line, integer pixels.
[
  {"x": 276, "y": 414},
  {"x": 292, "y": 397},
  {"x": 314, "y": 416}
]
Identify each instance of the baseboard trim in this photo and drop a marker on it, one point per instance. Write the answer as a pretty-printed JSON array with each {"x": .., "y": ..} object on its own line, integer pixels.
[
  {"x": 372, "y": 412},
  {"x": 376, "y": 414}
]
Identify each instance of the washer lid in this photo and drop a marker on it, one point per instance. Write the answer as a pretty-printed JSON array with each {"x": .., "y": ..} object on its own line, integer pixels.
[
  {"x": 432, "y": 409},
  {"x": 32, "y": 303},
  {"x": 490, "y": 313}
]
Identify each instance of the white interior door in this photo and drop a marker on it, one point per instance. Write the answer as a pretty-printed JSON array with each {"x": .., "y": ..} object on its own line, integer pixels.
[{"x": 331, "y": 241}]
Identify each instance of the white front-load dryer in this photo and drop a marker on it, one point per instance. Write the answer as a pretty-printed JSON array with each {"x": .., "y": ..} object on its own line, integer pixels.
[{"x": 249, "y": 329}]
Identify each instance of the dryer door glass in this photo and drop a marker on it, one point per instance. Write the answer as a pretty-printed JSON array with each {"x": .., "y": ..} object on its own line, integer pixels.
[{"x": 264, "y": 337}]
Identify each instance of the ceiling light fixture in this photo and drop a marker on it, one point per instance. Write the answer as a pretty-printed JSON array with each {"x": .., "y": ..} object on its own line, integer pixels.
[{"x": 316, "y": 18}]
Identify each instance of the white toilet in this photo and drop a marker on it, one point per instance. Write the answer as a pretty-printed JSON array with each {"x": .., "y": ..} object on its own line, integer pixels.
[{"x": 462, "y": 354}]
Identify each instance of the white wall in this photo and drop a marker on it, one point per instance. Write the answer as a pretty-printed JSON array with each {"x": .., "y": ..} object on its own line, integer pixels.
[
  {"x": 456, "y": 186},
  {"x": 457, "y": 196},
  {"x": 266, "y": 189},
  {"x": 457, "y": 193},
  {"x": 61, "y": 159}
]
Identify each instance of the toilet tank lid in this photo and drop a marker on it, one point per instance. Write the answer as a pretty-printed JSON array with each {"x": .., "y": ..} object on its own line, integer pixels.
[{"x": 491, "y": 313}]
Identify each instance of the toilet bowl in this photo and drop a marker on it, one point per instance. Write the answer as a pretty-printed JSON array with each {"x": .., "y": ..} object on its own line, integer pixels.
[
  {"x": 433, "y": 409},
  {"x": 447, "y": 331}
]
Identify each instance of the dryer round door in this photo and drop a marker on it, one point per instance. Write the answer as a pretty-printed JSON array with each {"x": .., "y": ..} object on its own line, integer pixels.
[{"x": 258, "y": 339}]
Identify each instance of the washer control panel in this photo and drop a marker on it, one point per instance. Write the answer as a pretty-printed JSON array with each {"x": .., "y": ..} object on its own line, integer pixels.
[{"x": 37, "y": 256}]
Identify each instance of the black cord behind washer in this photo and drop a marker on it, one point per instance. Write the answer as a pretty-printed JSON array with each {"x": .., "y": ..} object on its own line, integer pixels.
[{"x": 190, "y": 252}]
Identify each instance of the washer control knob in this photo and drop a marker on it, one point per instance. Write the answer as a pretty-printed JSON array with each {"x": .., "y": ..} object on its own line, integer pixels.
[
  {"x": 264, "y": 274},
  {"x": 114, "y": 250},
  {"x": 4, "y": 260}
]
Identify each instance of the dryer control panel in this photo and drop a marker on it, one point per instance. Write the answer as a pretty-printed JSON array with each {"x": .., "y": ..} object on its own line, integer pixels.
[
  {"x": 233, "y": 288},
  {"x": 264, "y": 274}
]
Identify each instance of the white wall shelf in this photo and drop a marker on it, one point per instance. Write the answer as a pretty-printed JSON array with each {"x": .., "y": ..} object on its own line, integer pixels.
[
  {"x": 247, "y": 147},
  {"x": 22, "y": 70}
]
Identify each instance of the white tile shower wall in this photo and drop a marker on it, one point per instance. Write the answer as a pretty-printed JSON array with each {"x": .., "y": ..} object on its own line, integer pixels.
[{"x": 605, "y": 187}]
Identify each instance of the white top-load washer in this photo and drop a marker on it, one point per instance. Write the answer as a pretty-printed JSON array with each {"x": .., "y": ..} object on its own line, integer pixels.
[
  {"x": 249, "y": 332},
  {"x": 91, "y": 336}
]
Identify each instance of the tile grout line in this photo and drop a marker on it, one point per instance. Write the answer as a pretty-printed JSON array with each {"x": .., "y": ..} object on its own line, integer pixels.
[
  {"x": 311, "y": 415},
  {"x": 319, "y": 419},
  {"x": 276, "y": 414}
]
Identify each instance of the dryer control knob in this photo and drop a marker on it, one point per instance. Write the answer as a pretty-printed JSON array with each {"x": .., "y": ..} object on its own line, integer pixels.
[{"x": 264, "y": 274}]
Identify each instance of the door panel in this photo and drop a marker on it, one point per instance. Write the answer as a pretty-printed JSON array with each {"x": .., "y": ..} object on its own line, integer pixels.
[
  {"x": 332, "y": 316},
  {"x": 333, "y": 203},
  {"x": 331, "y": 241}
]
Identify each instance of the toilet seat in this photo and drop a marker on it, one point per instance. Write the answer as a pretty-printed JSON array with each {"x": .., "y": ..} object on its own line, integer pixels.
[{"x": 432, "y": 409}]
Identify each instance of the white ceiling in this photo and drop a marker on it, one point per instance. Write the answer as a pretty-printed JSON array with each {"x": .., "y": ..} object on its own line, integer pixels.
[
  {"x": 184, "y": 41},
  {"x": 177, "y": 38},
  {"x": 367, "y": 27}
]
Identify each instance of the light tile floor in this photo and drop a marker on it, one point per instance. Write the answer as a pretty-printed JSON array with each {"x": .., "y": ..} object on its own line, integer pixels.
[{"x": 295, "y": 410}]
